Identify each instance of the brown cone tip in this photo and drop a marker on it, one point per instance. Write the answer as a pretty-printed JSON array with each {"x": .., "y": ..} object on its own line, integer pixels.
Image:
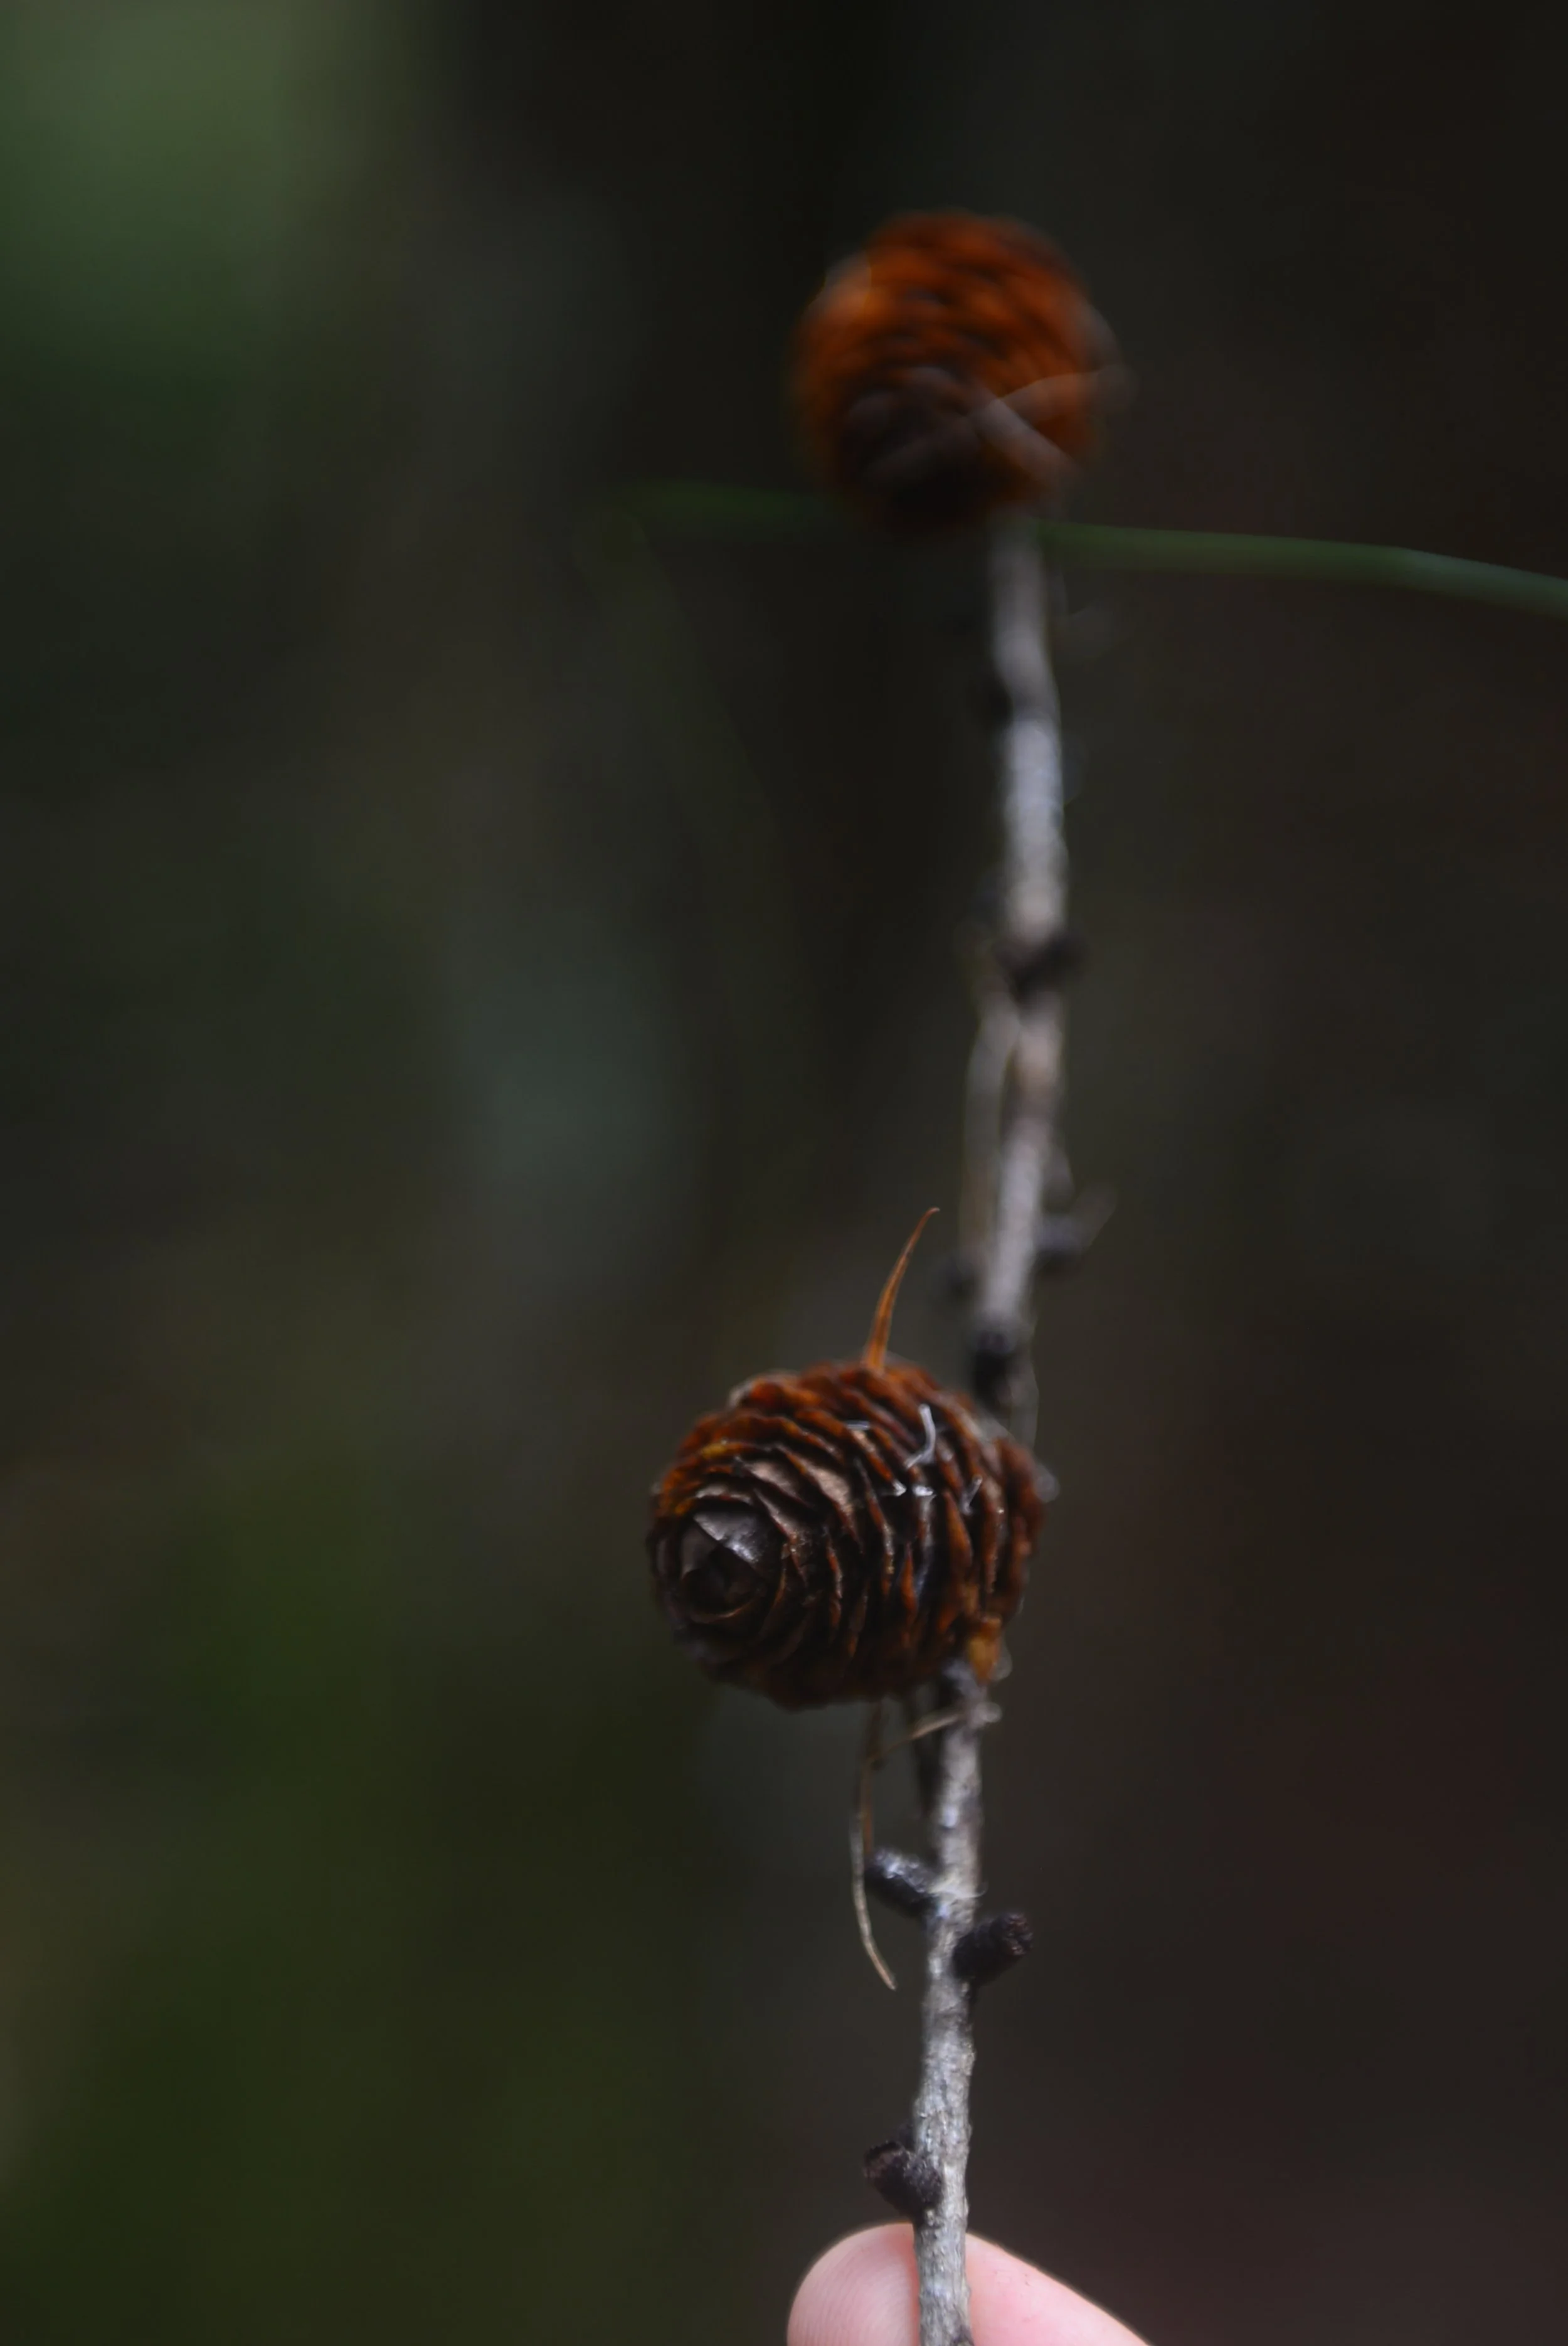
[
  {"x": 952, "y": 366},
  {"x": 842, "y": 1534}
]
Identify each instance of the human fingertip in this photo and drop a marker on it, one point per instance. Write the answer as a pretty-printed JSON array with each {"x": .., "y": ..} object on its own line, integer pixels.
[
  {"x": 1015, "y": 2304},
  {"x": 864, "y": 2292}
]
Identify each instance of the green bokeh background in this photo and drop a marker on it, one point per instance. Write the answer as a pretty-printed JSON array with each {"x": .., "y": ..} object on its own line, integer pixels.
[{"x": 456, "y": 1020}]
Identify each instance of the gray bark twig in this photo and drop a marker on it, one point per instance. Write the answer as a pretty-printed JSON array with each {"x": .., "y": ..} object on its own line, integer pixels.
[
  {"x": 1016, "y": 1181},
  {"x": 947, "y": 2025},
  {"x": 1018, "y": 1168}
]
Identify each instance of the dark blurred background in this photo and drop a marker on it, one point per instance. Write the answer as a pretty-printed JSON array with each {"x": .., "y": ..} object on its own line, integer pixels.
[{"x": 426, "y": 1085}]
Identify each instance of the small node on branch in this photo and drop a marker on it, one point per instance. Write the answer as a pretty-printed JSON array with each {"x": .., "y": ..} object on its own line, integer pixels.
[
  {"x": 901, "y": 1881},
  {"x": 992, "y": 1948},
  {"x": 907, "y": 2180},
  {"x": 1060, "y": 1244},
  {"x": 994, "y": 1364},
  {"x": 1042, "y": 968},
  {"x": 1062, "y": 1240}
]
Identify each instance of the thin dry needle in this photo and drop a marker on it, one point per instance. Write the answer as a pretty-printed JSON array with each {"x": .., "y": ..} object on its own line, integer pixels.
[
  {"x": 876, "y": 1352},
  {"x": 862, "y": 1831}
]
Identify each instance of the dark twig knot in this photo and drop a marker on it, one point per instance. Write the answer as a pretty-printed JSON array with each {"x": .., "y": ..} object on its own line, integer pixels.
[
  {"x": 993, "y": 1360},
  {"x": 1043, "y": 967},
  {"x": 992, "y": 1948},
  {"x": 906, "y": 2180}
]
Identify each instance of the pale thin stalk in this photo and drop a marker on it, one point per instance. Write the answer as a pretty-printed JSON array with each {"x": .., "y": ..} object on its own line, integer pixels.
[
  {"x": 947, "y": 2029},
  {"x": 1013, "y": 1165}
]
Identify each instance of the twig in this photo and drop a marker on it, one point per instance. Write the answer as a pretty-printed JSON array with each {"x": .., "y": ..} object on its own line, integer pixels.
[
  {"x": 1017, "y": 1169},
  {"x": 947, "y": 2029},
  {"x": 1015, "y": 1183}
]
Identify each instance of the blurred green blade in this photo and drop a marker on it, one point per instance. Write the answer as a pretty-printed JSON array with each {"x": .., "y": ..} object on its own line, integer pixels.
[
  {"x": 1332, "y": 562},
  {"x": 716, "y": 509}
]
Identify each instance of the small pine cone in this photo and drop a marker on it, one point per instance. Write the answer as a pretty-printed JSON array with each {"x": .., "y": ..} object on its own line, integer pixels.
[
  {"x": 844, "y": 1534},
  {"x": 948, "y": 369}
]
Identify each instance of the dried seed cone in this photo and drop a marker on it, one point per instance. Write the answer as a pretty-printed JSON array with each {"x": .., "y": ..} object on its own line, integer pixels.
[
  {"x": 844, "y": 1534},
  {"x": 933, "y": 368}
]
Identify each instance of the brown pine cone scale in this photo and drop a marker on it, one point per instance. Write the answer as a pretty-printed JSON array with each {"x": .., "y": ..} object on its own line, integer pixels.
[{"x": 844, "y": 1534}]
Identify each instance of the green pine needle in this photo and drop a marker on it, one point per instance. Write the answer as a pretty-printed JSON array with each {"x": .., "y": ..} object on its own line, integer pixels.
[{"x": 713, "y": 509}]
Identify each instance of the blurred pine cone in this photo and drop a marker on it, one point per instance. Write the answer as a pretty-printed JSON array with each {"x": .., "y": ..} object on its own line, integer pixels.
[
  {"x": 843, "y": 1533},
  {"x": 948, "y": 368}
]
